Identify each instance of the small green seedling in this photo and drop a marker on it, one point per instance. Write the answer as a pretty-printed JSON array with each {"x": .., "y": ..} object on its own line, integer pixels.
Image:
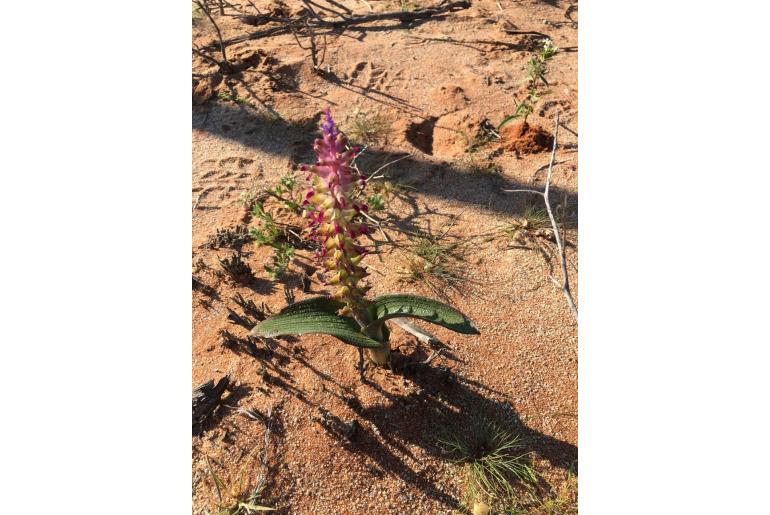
[
  {"x": 284, "y": 253},
  {"x": 536, "y": 70},
  {"x": 284, "y": 193},
  {"x": 223, "y": 95},
  {"x": 269, "y": 234}
]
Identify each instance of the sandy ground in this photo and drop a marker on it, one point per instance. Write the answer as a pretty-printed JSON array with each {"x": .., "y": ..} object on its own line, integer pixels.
[{"x": 455, "y": 71}]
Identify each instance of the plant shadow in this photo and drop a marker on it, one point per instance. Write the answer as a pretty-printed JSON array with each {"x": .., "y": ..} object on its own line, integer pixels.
[
  {"x": 230, "y": 398},
  {"x": 441, "y": 403}
]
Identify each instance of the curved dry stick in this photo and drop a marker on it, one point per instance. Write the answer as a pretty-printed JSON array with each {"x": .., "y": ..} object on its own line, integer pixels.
[{"x": 565, "y": 284}]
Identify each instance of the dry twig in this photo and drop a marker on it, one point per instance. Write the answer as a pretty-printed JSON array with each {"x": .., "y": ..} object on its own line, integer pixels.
[
  {"x": 225, "y": 65},
  {"x": 419, "y": 333},
  {"x": 426, "y": 362},
  {"x": 318, "y": 22},
  {"x": 557, "y": 233}
]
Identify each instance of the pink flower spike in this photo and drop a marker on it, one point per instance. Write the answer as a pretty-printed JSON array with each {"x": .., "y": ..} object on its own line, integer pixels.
[{"x": 335, "y": 185}]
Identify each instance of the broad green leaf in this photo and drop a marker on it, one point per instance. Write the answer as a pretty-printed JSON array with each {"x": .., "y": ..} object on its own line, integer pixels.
[
  {"x": 316, "y": 315},
  {"x": 325, "y": 304},
  {"x": 401, "y": 305}
]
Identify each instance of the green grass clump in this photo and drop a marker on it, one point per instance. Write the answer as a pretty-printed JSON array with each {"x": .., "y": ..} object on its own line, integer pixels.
[
  {"x": 223, "y": 95},
  {"x": 533, "y": 219},
  {"x": 376, "y": 203},
  {"x": 267, "y": 232},
  {"x": 495, "y": 463},
  {"x": 381, "y": 192}
]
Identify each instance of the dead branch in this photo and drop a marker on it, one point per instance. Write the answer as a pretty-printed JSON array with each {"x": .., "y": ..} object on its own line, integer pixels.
[
  {"x": 514, "y": 32},
  {"x": 556, "y": 231},
  {"x": 308, "y": 4},
  {"x": 233, "y": 7},
  {"x": 296, "y": 37},
  {"x": 378, "y": 223},
  {"x": 469, "y": 42},
  {"x": 374, "y": 173},
  {"x": 261, "y": 19},
  {"x": 426, "y": 362},
  {"x": 312, "y": 11},
  {"x": 207, "y": 57},
  {"x": 358, "y": 20},
  {"x": 403, "y": 16},
  {"x": 225, "y": 64},
  {"x": 314, "y": 47},
  {"x": 417, "y": 332},
  {"x": 336, "y": 4}
]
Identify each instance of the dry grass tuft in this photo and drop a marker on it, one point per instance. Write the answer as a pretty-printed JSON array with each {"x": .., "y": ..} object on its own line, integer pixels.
[
  {"x": 368, "y": 128},
  {"x": 434, "y": 260},
  {"x": 234, "y": 496}
]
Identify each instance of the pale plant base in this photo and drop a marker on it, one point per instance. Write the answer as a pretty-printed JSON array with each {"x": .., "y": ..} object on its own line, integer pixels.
[{"x": 379, "y": 356}]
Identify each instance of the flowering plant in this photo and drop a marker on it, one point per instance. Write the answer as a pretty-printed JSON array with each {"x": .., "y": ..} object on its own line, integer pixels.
[{"x": 334, "y": 213}]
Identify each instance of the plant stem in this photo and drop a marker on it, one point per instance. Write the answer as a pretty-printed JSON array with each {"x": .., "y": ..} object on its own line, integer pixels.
[{"x": 379, "y": 356}]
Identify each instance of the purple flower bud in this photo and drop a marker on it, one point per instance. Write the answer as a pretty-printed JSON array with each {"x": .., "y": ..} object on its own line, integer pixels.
[{"x": 328, "y": 127}]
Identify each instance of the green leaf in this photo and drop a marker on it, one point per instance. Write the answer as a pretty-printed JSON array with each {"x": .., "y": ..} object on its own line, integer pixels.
[
  {"x": 253, "y": 507},
  {"x": 325, "y": 304},
  {"x": 508, "y": 119},
  {"x": 316, "y": 315},
  {"x": 401, "y": 305}
]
